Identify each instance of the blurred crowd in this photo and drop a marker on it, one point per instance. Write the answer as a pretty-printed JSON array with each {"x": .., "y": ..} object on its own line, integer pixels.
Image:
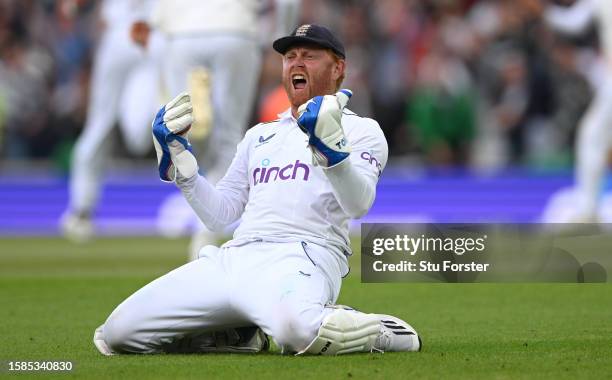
[{"x": 451, "y": 82}]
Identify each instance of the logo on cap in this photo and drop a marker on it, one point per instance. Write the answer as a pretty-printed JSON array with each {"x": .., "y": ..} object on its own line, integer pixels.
[{"x": 302, "y": 30}]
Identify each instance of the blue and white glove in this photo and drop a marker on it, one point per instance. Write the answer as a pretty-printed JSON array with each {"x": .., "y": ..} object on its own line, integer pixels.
[
  {"x": 320, "y": 119},
  {"x": 170, "y": 129}
]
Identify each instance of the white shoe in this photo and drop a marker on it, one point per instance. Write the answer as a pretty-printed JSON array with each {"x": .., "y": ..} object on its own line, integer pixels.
[
  {"x": 100, "y": 343},
  {"x": 396, "y": 335},
  {"x": 76, "y": 228}
]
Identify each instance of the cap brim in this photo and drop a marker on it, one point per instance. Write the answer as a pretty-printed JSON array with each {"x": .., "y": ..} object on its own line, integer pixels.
[{"x": 285, "y": 43}]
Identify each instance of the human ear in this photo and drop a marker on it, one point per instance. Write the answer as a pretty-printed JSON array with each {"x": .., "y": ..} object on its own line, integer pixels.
[{"x": 338, "y": 69}]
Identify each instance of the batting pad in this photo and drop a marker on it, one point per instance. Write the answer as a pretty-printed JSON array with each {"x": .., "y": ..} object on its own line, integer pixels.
[{"x": 345, "y": 331}]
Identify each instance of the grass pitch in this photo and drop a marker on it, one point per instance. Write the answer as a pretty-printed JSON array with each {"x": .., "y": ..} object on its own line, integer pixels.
[{"x": 54, "y": 294}]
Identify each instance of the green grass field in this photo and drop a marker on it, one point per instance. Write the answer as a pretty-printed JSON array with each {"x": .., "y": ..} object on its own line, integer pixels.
[{"x": 53, "y": 294}]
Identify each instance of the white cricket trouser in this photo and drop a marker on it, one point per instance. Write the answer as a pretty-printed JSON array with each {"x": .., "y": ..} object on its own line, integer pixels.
[
  {"x": 233, "y": 62},
  {"x": 125, "y": 87},
  {"x": 281, "y": 287},
  {"x": 592, "y": 147}
]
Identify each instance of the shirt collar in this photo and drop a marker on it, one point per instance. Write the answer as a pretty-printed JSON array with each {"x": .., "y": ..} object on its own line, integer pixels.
[{"x": 286, "y": 115}]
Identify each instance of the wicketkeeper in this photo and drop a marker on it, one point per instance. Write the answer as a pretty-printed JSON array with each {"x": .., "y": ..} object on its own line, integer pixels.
[{"x": 294, "y": 183}]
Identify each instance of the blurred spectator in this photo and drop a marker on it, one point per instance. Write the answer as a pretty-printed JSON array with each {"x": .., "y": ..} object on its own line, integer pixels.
[
  {"x": 393, "y": 51},
  {"x": 441, "y": 107},
  {"x": 512, "y": 71},
  {"x": 572, "y": 94},
  {"x": 38, "y": 64},
  {"x": 23, "y": 87}
]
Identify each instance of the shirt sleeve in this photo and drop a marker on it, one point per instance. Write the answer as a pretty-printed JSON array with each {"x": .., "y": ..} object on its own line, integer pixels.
[
  {"x": 221, "y": 205},
  {"x": 354, "y": 180}
]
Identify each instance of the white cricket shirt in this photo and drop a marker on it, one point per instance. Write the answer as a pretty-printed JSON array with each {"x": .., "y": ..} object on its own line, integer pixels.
[{"x": 280, "y": 195}]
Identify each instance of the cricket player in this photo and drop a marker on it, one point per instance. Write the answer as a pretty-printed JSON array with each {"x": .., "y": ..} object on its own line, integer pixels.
[
  {"x": 124, "y": 88},
  {"x": 295, "y": 182},
  {"x": 220, "y": 39},
  {"x": 594, "y": 138}
]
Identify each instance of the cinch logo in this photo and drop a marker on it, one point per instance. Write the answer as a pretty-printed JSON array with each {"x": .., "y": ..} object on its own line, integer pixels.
[
  {"x": 291, "y": 171},
  {"x": 372, "y": 160}
]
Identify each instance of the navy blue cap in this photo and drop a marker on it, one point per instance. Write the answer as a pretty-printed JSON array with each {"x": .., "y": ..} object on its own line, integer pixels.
[{"x": 310, "y": 34}]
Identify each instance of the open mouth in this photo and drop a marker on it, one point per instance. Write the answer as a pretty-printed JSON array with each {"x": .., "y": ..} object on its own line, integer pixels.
[{"x": 299, "y": 81}]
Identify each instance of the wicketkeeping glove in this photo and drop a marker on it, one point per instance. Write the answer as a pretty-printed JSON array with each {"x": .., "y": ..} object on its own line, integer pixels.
[
  {"x": 320, "y": 119},
  {"x": 170, "y": 129}
]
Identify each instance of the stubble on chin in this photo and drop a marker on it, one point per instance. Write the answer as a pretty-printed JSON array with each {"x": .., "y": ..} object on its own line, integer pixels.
[{"x": 296, "y": 100}]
